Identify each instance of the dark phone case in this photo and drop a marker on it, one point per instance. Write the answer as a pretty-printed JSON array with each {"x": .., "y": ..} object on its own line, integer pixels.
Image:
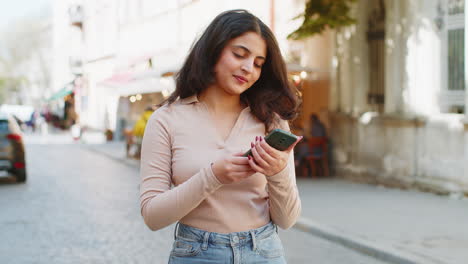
[{"x": 278, "y": 139}]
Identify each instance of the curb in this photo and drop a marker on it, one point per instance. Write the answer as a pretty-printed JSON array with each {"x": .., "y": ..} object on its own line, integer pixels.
[
  {"x": 128, "y": 162},
  {"x": 357, "y": 244}
]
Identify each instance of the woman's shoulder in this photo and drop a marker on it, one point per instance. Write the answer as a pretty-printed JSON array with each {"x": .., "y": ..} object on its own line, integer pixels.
[
  {"x": 162, "y": 114},
  {"x": 169, "y": 111}
]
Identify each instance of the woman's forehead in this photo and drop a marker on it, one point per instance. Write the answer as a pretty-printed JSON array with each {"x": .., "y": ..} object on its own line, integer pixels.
[{"x": 252, "y": 42}]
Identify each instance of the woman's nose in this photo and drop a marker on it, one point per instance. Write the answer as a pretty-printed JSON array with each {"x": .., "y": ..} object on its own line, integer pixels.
[{"x": 248, "y": 66}]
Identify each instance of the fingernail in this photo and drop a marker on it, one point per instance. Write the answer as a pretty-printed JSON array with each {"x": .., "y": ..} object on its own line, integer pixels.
[
  {"x": 252, "y": 144},
  {"x": 261, "y": 139},
  {"x": 256, "y": 138},
  {"x": 249, "y": 157}
]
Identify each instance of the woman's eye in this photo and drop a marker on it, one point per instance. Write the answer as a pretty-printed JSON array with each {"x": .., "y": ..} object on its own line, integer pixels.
[
  {"x": 258, "y": 65},
  {"x": 238, "y": 55}
]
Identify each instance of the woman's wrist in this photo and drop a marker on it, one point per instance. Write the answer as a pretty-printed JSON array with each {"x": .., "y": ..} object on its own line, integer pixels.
[{"x": 216, "y": 172}]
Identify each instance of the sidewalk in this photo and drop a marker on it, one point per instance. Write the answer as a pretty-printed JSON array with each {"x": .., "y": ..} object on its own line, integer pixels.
[
  {"x": 114, "y": 150},
  {"x": 393, "y": 225}
]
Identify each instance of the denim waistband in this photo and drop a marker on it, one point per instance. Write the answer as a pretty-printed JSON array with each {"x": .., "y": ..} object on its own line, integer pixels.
[{"x": 197, "y": 235}]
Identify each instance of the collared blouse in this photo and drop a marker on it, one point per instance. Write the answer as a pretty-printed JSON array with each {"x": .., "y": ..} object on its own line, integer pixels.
[{"x": 179, "y": 144}]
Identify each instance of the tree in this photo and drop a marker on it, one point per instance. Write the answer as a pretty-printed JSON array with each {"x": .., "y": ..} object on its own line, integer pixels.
[
  {"x": 322, "y": 14},
  {"x": 23, "y": 58},
  {"x": 2, "y": 89},
  {"x": 9, "y": 86}
]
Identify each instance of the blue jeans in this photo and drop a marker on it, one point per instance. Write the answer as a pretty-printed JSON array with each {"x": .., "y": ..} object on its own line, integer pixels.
[{"x": 261, "y": 245}]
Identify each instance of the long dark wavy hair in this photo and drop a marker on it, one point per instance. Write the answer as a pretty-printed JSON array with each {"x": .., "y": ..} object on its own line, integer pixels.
[{"x": 271, "y": 93}]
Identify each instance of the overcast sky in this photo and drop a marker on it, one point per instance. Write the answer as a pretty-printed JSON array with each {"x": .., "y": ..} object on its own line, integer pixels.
[{"x": 11, "y": 10}]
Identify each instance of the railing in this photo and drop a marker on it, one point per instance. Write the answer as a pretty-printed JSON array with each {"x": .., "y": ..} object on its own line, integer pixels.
[{"x": 76, "y": 15}]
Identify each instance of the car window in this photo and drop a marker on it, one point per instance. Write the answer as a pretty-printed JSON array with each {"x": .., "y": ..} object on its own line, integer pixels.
[{"x": 4, "y": 126}]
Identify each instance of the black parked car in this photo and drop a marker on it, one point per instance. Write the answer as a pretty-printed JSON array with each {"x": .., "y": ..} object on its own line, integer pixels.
[{"x": 12, "y": 159}]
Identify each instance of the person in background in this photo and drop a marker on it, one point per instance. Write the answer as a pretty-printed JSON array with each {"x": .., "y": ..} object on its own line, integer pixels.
[
  {"x": 231, "y": 91},
  {"x": 139, "y": 129},
  {"x": 316, "y": 129}
]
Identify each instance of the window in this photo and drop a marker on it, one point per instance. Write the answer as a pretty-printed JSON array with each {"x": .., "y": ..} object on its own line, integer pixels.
[
  {"x": 4, "y": 128},
  {"x": 130, "y": 10},
  {"x": 376, "y": 40},
  {"x": 456, "y": 7},
  {"x": 456, "y": 59},
  {"x": 453, "y": 95}
]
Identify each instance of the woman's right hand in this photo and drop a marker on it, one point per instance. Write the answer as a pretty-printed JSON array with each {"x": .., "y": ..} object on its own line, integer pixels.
[{"x": 232, "y": 168}]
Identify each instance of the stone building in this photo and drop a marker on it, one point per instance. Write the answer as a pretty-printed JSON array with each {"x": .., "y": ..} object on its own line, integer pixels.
[{"x": 397, "y": 96}]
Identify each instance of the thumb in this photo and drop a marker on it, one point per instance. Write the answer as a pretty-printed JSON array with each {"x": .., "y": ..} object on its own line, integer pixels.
[{"x": 294, "y": 144}]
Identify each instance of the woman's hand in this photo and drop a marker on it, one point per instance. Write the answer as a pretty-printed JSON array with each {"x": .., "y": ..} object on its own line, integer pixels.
[
  {"x": 232, "y": 168},
  {"x": 268, "y": 160}
]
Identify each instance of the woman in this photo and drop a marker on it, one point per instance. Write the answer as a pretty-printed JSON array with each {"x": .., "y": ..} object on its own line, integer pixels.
[{"x": 230, "y": 92}]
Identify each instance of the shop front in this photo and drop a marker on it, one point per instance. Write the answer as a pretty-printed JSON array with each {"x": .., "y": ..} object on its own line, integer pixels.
[{"x": 134, "y": 95}]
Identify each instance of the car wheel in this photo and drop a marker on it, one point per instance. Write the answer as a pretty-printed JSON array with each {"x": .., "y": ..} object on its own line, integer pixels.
[{"x": 20, "y": 175}]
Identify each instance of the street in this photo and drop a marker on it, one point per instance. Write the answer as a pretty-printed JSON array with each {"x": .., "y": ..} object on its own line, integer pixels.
[
  {"x": 79, "y": 206},
  {"x": 375, "y": 93}
]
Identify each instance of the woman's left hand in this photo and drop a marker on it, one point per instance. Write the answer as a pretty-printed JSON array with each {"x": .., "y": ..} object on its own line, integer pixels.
[{"x": 268, "y": 160}]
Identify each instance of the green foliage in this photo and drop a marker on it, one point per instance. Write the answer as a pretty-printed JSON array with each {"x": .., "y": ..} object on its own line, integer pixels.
[
  {"x": 2, "y": 90},
  {"x": 322, "y": 14},
  {"x": 10, "y": 85}
]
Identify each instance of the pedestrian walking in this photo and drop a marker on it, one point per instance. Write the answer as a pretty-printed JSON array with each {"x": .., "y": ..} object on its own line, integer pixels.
[{"x": 230, "y": 92}]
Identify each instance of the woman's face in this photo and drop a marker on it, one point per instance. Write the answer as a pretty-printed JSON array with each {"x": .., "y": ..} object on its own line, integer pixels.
[{"x": 240, "y": 63}]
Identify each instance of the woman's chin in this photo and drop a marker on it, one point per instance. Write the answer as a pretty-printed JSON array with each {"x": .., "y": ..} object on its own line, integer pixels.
[{"x": 237, "y": 90}]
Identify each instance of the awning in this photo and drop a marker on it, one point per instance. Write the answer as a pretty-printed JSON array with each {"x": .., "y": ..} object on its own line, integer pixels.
[
  {"x": 147, "y": 85},
  {"x": 68, "y": 89},
  {"x": 118, "y": 78},
  {"x": 157, "y": 73},
  {"x": 149, "y": 81}
]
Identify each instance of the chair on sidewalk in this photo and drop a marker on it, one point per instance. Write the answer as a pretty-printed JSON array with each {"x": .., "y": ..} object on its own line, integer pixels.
[
  {"x": 317, "y": 158},
  {"x": 129, "y": 143}
]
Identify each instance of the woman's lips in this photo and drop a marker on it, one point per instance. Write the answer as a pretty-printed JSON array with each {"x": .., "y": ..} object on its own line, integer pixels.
[{"x": 240, "y": 79}]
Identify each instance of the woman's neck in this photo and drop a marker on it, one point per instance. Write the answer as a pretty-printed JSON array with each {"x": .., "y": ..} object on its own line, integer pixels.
[{"x": 219, "y": 101}]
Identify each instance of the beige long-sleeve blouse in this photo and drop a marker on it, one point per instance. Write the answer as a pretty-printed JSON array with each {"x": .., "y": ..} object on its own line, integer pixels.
[{"x": 179, "y": 144}]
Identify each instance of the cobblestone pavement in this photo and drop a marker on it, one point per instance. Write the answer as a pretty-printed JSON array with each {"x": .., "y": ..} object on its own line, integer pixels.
[
  {"x": 77, "y": 207},
  {"x": 82, "y": 207}
]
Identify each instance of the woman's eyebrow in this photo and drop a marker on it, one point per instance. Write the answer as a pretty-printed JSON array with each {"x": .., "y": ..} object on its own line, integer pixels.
[{"x": 247, "y": 50}]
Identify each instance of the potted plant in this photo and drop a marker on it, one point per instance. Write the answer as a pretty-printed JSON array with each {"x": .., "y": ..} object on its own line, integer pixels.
[{"x": 109, "y": 134}]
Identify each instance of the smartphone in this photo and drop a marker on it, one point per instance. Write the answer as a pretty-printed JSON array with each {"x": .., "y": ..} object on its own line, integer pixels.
[{"x": 278, "y": 139}]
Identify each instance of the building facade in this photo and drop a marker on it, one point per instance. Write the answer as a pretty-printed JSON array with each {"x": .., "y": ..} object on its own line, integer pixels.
[
  {"x": 390, "y": 89},
  {"x": 130, "y": 48},
  {"x": 67, "y": 58},
  {"x": 397, "y": 98}
]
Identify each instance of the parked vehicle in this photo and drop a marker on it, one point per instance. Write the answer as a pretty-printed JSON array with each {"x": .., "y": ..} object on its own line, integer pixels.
[{"x": 12, "y": 155}]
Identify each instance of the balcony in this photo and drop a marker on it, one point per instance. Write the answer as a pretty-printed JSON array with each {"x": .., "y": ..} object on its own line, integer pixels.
[{"x": 76, "y": 15}]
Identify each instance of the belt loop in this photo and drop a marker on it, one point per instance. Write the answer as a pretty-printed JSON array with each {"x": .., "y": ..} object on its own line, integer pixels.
[
  {"x": 276, "y": 226},
  {"x": 176, "y": 228},
  {"x": 254, "y": 241},
  {"x": 206, "y": 236}
]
